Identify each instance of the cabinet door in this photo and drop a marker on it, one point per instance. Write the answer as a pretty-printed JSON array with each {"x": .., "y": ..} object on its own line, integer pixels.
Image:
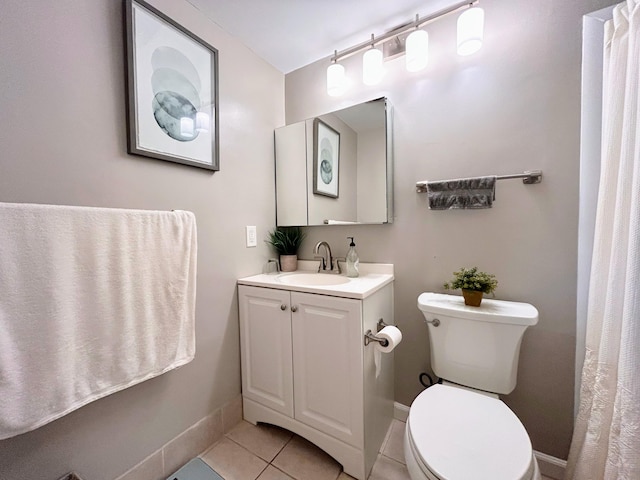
[
  {"x": 265, "y": 337},
  {"x": 291, "y": 174},
  {"x": 327, "y": 357}
]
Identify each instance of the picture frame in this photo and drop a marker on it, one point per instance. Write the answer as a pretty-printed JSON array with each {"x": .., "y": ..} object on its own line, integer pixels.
[
  {"x": 172, "y": 90},
  {"x": 326, "y": 159}
]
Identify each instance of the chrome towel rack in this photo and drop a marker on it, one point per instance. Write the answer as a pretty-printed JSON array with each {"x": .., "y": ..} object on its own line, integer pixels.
[{"x": 529, "y": 177}]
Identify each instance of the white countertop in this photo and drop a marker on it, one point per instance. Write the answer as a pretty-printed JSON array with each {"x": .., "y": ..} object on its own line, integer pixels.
[{"x": 373, "y": 276}]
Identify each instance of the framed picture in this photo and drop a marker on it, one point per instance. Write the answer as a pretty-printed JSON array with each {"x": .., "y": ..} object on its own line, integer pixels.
[
  {"x": 172, "y": 88},
  {"x": 326, "y": 159}
]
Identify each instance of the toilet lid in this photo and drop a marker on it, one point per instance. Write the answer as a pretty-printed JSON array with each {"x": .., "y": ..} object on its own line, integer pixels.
[{"x": 461, "y": 434}]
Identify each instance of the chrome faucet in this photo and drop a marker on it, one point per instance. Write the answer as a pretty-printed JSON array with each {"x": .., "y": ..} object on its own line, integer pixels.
[{"x": 326, "y": 260}]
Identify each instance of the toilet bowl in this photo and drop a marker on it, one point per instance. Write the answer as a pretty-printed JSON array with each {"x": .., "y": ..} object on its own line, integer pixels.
[
  {"x": 453, "y": 433},
  {"x": 460, "y": 429}
]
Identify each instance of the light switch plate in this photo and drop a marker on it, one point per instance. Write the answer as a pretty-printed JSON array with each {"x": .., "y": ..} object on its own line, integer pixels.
[{"x": 252, "y": 236}]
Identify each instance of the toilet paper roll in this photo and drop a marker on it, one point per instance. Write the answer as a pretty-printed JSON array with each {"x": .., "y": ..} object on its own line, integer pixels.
[{"x": 392, "y": 335}]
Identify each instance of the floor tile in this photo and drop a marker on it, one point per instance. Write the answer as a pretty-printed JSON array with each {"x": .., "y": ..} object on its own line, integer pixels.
[
  {"x": 233, "y": 462},
  {"x": 386, "y": 437},
  {"x": 262, "y": 440},
  {"x": 272, "y": 473},
  {"x": 242, "y": 453},
  {"x": 304, "y": 461},
  {"x": 388, "y": 469},
  {"x": 394, "y": 446},
  {"x": 344, "y": 476}
]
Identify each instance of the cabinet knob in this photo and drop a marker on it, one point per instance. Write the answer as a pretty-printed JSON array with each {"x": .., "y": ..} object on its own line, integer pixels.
[
  {"x": 294, "y": 308},
  {"x": 283, "y": 307}
]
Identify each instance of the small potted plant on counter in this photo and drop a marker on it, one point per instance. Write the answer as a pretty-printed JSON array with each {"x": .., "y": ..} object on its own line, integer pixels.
[
  {"x": 286, "y": 241},
  {"x": 473, "y": 284}
]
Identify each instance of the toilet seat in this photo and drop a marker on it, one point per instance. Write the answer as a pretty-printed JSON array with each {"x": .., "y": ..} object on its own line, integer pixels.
[{"x": 454, "y": 433}]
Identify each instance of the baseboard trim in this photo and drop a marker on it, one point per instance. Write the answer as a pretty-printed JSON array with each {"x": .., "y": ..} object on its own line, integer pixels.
[
  {"x": 188, "y": 444},
  {"x": 549, "y": 466},
  {"x": 400, "y": 412}
]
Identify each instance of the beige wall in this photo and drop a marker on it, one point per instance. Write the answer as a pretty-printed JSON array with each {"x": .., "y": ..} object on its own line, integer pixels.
[
  {"x": 63, "y": 141},
  {"x": 513, "y": 106}
]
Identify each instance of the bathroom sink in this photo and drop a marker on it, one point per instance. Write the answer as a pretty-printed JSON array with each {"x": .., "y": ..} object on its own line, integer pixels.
[
  {"x": 373, "y": 276},
  {"x": 312, "y": 279}
]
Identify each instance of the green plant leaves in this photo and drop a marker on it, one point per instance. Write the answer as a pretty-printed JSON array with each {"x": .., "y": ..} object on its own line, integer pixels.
[
  {"x": 472, "y": 279},
  {"x": 286, "y": 240}
]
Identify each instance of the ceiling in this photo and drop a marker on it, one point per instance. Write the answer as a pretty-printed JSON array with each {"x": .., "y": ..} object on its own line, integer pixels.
[{"x": 290, "y": 34}]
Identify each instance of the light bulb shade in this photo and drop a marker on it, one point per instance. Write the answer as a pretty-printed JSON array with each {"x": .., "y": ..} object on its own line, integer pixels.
[
  {"x": 336, "y": 82},
  {"x": 202, "y": 122},
  {"x": 186, "y": 127},
  {"x": 417, "y": 50},
  {"x": 470, "y": 31},
  {"x": 372, "y": 67}
]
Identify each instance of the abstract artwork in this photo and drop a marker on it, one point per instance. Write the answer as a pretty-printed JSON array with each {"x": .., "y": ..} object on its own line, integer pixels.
[
  {"x": 326, "y": 159},
  {"x": 172, "y": 79}
]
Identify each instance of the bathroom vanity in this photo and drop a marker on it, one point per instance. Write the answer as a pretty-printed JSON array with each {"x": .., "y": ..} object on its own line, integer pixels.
[{"x": 305, "y": 366}]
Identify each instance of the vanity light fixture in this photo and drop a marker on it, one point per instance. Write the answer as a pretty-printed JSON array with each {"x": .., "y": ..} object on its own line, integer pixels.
[
  {"x": 336, "y": 80},
  {"x": 470, "y": 29},
  {"x": 417, "y": 50},
  {"x": 372, "y": 70}
]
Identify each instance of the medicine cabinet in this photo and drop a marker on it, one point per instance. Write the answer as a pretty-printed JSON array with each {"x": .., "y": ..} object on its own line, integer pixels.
[{"x": 336, "y": 168}]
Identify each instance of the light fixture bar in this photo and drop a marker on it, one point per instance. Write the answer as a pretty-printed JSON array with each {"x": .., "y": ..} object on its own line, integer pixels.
[{"x": 400, "y": 29}]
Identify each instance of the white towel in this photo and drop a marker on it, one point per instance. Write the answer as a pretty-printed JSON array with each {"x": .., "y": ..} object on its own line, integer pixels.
[{"x": 92, "y": 301}]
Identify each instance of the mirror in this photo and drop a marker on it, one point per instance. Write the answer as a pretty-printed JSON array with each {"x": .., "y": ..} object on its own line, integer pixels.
[{"x": 336, "y": 168}]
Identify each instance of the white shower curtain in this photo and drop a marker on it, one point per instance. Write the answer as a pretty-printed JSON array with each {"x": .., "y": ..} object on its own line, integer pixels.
[{"x": 606, "y": 439}]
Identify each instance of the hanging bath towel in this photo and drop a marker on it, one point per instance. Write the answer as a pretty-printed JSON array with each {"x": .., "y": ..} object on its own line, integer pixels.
[
  {"x": 92, "y": 301},
  {"x": 479, "y": 192}
]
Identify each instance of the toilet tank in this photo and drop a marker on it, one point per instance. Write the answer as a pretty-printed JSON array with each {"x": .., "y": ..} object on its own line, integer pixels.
[{"x": 477, "y": 347}]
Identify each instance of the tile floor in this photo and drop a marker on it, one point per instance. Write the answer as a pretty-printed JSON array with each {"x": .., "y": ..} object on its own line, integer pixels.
[{"x": 265, "y": 452}]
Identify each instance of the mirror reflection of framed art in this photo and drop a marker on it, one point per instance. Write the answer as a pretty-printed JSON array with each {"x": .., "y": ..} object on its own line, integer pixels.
[{"x": 326, "y": 159}]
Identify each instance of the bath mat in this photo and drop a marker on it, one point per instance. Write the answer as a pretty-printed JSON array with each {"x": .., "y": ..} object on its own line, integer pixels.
[{"x": 195, "y": 469}]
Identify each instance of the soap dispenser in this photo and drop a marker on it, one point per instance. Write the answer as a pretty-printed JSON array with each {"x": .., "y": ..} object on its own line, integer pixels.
[{"x": 353, "y": 262}]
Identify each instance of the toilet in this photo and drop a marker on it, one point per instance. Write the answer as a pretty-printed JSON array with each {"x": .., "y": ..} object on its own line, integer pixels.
[{"x": 460, "y": 429}]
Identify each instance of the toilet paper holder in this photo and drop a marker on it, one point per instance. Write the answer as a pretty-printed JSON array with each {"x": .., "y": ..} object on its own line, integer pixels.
[{"x": 370, "y": 337}]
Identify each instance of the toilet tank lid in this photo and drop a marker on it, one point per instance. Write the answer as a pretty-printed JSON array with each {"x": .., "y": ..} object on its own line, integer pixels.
[{"x": 498, "y": 311}]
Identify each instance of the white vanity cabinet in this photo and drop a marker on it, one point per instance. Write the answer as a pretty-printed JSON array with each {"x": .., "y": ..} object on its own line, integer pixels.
[
  {"x": 319, "y": 335},
  {"x": 267, "y": 359},
  {"x": 327, "y": 355},
  {"x": 305, "y": 368}
]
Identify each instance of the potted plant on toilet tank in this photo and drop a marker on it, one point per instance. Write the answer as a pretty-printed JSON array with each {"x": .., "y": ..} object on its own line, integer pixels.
[
  {"x": 286, "y": 241},
  {"x": 473, "y": 284}
]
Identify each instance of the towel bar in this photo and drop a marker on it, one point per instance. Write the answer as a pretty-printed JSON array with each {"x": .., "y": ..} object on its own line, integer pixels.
[{"x": 529, "y": 177}]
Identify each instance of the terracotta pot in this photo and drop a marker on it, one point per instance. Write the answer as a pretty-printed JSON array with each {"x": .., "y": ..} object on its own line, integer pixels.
[
  {"x": 473, "y": 298},
  {"x": 288, "y": 263}
]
